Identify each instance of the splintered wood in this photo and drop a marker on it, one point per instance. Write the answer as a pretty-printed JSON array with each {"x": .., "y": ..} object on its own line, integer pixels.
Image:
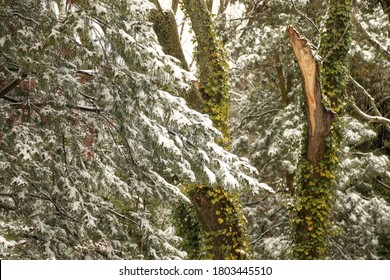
[{"x": 308, "y": 67}]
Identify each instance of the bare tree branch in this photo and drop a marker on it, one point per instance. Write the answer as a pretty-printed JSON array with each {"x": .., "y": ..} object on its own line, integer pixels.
[
  {"x": 378, "y": 118},
  {"x": 119, "y": 215},
  {"x": 305, "y": 16},
  {"x": 265, "y": 232},
  {"x": 9, "y": 87},
  {"x": 25, "y": 18},
  {"x": 157, "y": 3},
  {"x": 18, "y": 104},
  {"x": 251, "y": 117},
  {"x": 383, "y": 184},
  {"x": 374, "y": 119}
]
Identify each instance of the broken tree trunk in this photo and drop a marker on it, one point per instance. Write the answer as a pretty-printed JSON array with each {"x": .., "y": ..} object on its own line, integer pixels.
[
  {"x": 324, "y": 91},
  {"x": 319, "y": 118},
  {"x": 313, "y": 195}
]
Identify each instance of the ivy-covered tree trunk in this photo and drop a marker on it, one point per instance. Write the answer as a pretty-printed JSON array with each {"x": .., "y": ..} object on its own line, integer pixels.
[
  {"x": 165, "y": 27},
  {"x": 324, "y": 86},
  {"x": 218, "y": 211},
  {"x": 211, "y": 60}
]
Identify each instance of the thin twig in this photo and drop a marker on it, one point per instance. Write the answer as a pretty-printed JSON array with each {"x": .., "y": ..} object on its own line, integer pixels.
[
  {"x": 9, "y": 87},
  {"x": 25, "y": 18},
  {"x": 374, "y": 119},
  {"x": 120, "y": 215},
  {"x": 58, "y": 207},
  {"x": 305, "y": 16},
  {"x": 338, "y": 247},
  {"x": 265, "y": 232},
  {"x": 370, "y": 98},
  {"x": 383, "y": 184},
  {"x": 251, "y": 117}
]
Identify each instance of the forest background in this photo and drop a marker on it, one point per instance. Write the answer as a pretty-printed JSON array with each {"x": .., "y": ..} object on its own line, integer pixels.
[{"x": 264, "y": 137}]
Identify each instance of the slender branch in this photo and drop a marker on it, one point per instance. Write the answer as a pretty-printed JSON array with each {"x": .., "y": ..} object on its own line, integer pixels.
[
  {"x": 45, "y": 196},
  {"x": 275, "y": 212},
  {"x": 7, "y": 194},
  {"x": 101, "y": 44},
  {"x": 241, "y": 18},
  {"x": 19, "y": 105},
  {"x": 65, "y": 154},
  {"x": 370, "y": 98},
  {"x": 374, "y": 119},
  {"x": 251, "y": 117},
  {"x": 84, "y": 108},
  {"x": 383, "y": 184},
  {"x": 339, "y": 248},
  {"x": 25, "y": 18},
  {"x": 175, "y": 5},
  {"x": 157, "y": 3},
  {"x": 222, "y": 6},
  {"x": 9, "y": 87},
  {"x": 305, "y": 16},
  {"x": 89, "y": 97},
  {"x": 120, "y": 215},
  {"x": 383, "y": 100},
  {"x": 126, "y": 141},
  {"x": 12, "y": 100},
  {"x": 378, "y": 116},
  {"x": 265, "y": 232}
]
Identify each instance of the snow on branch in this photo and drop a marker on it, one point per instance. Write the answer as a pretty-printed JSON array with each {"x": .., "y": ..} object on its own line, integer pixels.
[
  {"x": 378, "y": 118},
  {"x": 375, "y": 43},
  {"x": 374, "y": 119}
]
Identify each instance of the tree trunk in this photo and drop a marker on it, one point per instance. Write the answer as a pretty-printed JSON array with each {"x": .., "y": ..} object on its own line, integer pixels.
[
  {"x": 323, "y": 95},
  {"x": 164, "y": 24},
  {"x": 310, "y": 228},
  {"x": 319, "y": 119},
  {"x": 165, "y": 27},
  {"x": 211, "y": 61},
  {"x": 218, "y": 210}
]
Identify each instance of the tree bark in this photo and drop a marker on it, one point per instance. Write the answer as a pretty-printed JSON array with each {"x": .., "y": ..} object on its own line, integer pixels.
[
  {"x": 218, "y": 210},
  {"x": 323, "y": 95},
  {"x": 319, "y": 119},
  {"x": 211, "y": 61},
  {"x": 308, "y": 238},
  {"x": 165, "y": 27}
]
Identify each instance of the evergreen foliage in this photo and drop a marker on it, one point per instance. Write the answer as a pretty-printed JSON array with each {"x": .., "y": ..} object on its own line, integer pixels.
[
  {"x": 93, "y": 144},
  {"x": 98, "y": 146}
]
